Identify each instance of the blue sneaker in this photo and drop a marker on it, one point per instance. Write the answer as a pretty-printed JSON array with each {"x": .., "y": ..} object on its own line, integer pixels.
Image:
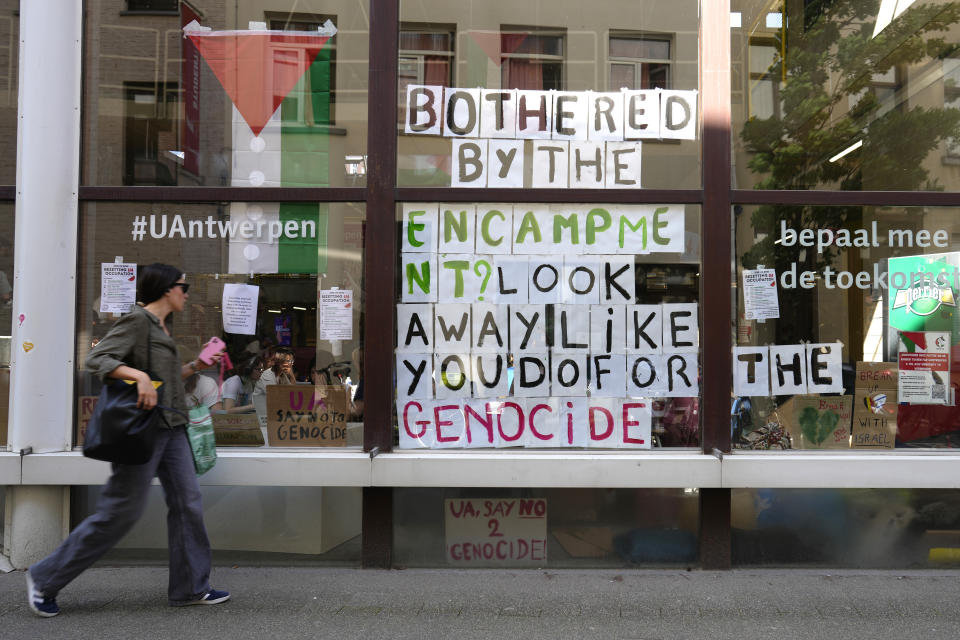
[
  {"x": 43, "y": 606},
  {"x": 210, "y": 597}
]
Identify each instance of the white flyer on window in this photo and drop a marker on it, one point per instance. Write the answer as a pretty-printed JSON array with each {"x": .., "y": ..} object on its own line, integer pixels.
[
  {"x": 118, "y": 286},
  {"x": 760, "y": 300},
  {"x": 239, "y": 306},
  {"x": 336, "y": 314},
  {"x": 923, "y": 364}
]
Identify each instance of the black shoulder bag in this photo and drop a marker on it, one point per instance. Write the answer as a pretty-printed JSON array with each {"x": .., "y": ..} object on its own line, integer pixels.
[{"x": 118, "y": 430}]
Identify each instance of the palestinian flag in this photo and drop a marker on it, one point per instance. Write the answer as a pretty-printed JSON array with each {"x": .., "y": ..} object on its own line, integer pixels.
[{"x": 280, "y": 83}]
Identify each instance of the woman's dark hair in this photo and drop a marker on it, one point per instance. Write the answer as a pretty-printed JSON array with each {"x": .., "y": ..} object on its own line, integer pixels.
[
  {"x": 155, "y": 280},
  {"x": 246, "y": 368}
]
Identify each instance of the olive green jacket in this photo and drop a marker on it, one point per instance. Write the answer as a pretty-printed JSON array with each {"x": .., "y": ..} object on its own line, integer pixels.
[{"x": 126, "y": 343}]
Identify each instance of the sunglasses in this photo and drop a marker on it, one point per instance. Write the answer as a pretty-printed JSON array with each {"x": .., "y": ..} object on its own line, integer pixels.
[{"x": 183, "y": 286}]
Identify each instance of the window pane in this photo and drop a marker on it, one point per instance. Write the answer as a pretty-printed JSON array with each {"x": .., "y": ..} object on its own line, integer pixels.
[
  {"x": 846, "y": 75},
  {"x": 6, "y": 311},
  {"x": 580, "y": 528},
  {"x": 531, "y": 43},
  {"x": 9, "y": 86},
  {"x": 249, "y": 525},
  {"x": 419, "y": 41},
  {"x": 233, "y": 106},
  {"x": 849, "y": 528},
  {"x": 854, "y": 310},
  {"x": 640, "y": 48},
  {"x": 494, "y": 329},
  {"x": 623, "y": 76},
  {"x": 507, "y": 52},
  {"x": 302, "y": 264}
]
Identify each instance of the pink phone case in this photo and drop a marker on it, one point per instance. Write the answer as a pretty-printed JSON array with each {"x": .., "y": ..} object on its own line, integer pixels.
[{"x": 215, "y": 346}]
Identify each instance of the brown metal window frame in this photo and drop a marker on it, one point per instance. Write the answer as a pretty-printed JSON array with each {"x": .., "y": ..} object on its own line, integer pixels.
[{"x": 382, "y": 194}]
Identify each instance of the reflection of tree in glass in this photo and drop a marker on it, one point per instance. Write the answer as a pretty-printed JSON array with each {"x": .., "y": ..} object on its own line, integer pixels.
[{"x": 828, "y": 60}]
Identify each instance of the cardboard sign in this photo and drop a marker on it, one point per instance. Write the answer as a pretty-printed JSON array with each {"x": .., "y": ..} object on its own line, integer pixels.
[
  {"x": 875, "y": 406},
  {"x": 818, "y": 422},
  {"x": 496, "y": 532},
  {"x": 306, "y": 416},
  {"x": 237, "y": 429}
]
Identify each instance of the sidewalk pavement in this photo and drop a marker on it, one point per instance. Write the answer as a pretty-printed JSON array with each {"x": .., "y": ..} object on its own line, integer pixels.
[{"x": 295, "y": 602}]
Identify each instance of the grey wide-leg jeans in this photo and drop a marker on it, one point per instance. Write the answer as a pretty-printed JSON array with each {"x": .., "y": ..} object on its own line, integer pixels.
[{"x": 121, "y": 504}]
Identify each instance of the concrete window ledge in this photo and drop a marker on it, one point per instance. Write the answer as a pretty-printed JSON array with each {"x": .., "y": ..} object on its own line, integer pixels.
[
  {"x": 9, "y": 468},
  {"x": 241, "y": 467},
  {"x": 526, "y": 468},
  {"x": 867, "y": 470}
]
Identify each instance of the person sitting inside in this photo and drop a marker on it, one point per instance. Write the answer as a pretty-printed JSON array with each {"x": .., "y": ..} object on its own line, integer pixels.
[
  {"x": 280, "y": 370},
  {"x": 202, "y": 391},
  {"x": 237, "y": 390}
]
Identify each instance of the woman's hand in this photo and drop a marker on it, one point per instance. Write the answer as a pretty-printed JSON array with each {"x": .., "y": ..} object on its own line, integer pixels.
[
  {"x": 146, "y": 393},
  {"x": 199, "y": 365}
]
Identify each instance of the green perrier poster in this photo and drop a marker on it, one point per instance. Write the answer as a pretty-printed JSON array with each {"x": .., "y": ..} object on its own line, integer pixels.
[{"x": 922, "y": 296}]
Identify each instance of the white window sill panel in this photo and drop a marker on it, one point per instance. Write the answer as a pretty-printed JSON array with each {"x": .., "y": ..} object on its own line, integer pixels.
[
  {"x": 872, "y": 470},
  {"x": 608, "y": 469},
  {"x": 611, "y": 469},
  {"x": 250, "y": 467},
  {"x": 9, "y": 468}
]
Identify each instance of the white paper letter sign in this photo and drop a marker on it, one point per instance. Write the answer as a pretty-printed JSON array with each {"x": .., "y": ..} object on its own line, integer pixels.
[
  {"x": 531, "y": 375},
  {"x": 788, "y": 370},
  {"x": 543, "y": 423},
  {"x": 461, "y": 112},
  {"x": 678, "y": 115},
  {"x": 416, "y": 423},
  {"x": 489, "y": 375},
  {"x": 490, "y": 325},
  {"x": 452, "y": 329},
  {"x": 550, "y": 164},
  {"x": 683, "y": 375},
  {"x": 415, "y": 375},
  {"x": 453, "y": 375},
  {"x": 424, "y": 110},
  {"x": 605, "y": 117},
  {"x": 587, "y": 162},
  {"x": 495, "y": 229},
  {"x": 608, "y": 375},
  {"x": 751, "y": 371},
  {"x": 824, "y": 368},
  {"x": 608, "y": 328},
  {"x": 419, "y": 228},
  {"x": 419, "y": 277},
  {"x": 570, "y": 115},
  {"x": 469, "y": 163},
  {"x": 637, "y": 421},
  {"x": 681, "y": 333},
  {"x": 643, "y": 376},
  {"x": 571, "y": 328},
  {"x": 534, "y": 114},
  {"x": 641, "y": 114},
  {"x": 414, "y": 328},
  {"x": 498, "y": 113},
  {"x": 458, "y": 224},
  {"x": 570, "y": 372},
  {"x": 528, "y": 330},
  {"x": 623, "y": 165},
  {"x": 505, "y": 164},
  {"x": 644, "y": 328}
]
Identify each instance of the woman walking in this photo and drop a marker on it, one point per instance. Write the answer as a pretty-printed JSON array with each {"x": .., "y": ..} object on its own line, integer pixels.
[{"x": 122, "y": 354}]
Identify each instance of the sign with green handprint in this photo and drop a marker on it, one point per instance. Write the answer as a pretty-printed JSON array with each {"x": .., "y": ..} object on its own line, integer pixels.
[{"x": 821, "y": 422}]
